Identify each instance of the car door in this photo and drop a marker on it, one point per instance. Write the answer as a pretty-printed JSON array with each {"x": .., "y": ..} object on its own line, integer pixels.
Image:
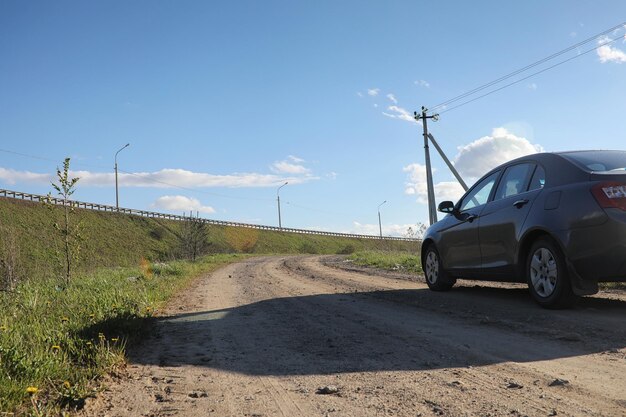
[
  {"x": 459, "y": 246},
  {"x": 503, "y": 217}
]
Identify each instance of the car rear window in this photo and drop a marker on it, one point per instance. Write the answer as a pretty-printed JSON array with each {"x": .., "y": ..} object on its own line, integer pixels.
[{"x": 598, "y": 161}]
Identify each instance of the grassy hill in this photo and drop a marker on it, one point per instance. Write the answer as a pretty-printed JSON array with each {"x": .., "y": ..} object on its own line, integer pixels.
[{"x": 113, "y": 239}]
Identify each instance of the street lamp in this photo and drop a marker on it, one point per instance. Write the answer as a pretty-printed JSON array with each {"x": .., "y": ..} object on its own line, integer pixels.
[
  {"x": 117, "y": 200},
  {"x": 280, "y": 226},
  {"x": 380, "y": 225}
]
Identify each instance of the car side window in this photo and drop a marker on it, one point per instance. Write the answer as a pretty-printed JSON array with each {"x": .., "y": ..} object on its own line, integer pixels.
[
  {"x": 480, "y": 193},
  {"x": 538, "y": 180},
  {"x": 513, "y": 181}
]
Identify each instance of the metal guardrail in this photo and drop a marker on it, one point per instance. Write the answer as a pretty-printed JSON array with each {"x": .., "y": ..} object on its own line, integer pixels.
[{"x": 102, "y": 207}]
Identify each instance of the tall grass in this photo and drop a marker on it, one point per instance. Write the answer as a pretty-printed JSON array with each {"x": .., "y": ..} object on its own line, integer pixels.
[{"x": 56, "y": 340}]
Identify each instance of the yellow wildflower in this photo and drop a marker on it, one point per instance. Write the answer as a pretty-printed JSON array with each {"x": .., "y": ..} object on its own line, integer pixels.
[
  {"x": 56, "y": 347},
  {"x": 65, "y": 319},
  {"x": 67, "y": 384},
  {"x": 3, "y": 328},
  {"x": 115, "y": 339},
  {"x": 32, "y": 390}
]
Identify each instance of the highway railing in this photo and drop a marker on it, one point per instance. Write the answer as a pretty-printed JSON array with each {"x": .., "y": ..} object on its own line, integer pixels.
[{"x": 143, "y": 213}]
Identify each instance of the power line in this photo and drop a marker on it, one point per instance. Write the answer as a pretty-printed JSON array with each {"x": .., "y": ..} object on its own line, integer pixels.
[
  {"x": 534, "y": 64},
  {"x": 531, "y": 75}
]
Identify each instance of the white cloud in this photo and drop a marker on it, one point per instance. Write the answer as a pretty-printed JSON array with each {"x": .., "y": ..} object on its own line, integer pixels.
[
  {"x": 332, "y": 175},
  {"x": 285, "y": 167},
  {"x": 392, "y": 98},
  {"x": 296, "y": 159},
  {"x": 607, "y": 53},
  {"x": 181, "y": 203},
  {"x": 373, "y": 91},
  {"x": 478, "y": 157},
  {"x": 11, "y": 176},
  {"x": 472, "y": 161},
  {"x": 167, "y": 178},
  {"x": 358, "y": 93},
  {"x": 375, "y": 105},
  {"x": 400, "y": 113},
  {"x": 422, "y": 83},
  {"x": 532, "y": 86}
]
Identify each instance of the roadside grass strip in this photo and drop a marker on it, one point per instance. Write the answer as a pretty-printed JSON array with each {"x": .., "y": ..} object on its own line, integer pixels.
[
  {"x": 389, "y": 260},
  {"x": 56, "y": 340}
]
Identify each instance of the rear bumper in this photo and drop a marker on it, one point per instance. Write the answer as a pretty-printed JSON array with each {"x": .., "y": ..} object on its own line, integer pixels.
[{"x": 597, "y": 253}]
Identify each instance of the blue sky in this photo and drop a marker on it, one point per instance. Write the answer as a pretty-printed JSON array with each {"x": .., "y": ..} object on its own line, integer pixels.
[{"x": 228, "y": 100}]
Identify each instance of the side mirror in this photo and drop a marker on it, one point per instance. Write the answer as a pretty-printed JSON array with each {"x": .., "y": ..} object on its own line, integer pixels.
[{"x": 446, "y": 207}]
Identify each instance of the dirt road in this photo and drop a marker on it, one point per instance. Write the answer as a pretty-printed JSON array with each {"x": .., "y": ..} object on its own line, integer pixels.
[{"x": 258, "y": 338}]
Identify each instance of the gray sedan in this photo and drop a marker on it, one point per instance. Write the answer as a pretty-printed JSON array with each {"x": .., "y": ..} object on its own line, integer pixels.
[{"x": 554, "y": 220}]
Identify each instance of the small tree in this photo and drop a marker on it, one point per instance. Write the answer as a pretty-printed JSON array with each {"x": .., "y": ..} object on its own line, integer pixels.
[
  {"x": 194, "y": 237},
  {"x": 69, "y": 232},
  {"x": 420, "y": 229},
  {"x": 417, "y": 232}
]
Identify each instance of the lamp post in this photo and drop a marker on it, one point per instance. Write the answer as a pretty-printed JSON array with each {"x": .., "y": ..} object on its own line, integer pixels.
[
  {"x": 117, "y": 199},
  {"x": 280, "y": 225},
  {"x": 380, "y": 225}
]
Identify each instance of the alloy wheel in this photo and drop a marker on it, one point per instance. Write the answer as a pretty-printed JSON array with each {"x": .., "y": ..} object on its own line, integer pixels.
[
  {"x": 543, "y": 272},
  {"x": 432, "y": 267}
]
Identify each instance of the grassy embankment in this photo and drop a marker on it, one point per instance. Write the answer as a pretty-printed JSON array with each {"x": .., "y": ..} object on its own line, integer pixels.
[
  {"x": 111, "y": 239},
  {"x": 58, "y": 339},
  {"x": 390, "y": 260}
]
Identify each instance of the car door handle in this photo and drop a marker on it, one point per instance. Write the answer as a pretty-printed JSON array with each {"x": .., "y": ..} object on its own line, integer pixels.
[
  {"x": 471, "y": 218},
  {"x": 520, "y": 203}
]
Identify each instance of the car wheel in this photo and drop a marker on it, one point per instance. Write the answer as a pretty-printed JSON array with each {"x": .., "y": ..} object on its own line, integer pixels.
[
  {"x": 547, "y": 275},
  {"x": 436, "y": 277}
]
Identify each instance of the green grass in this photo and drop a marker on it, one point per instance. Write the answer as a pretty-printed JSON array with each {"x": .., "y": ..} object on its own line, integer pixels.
[
  {"x": 60, "y": 340},
  {"x": 393, "y": 261}
]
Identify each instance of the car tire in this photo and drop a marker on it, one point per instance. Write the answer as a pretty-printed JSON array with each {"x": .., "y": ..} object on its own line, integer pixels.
[
  {"x": 547, "y": 275},
  {"x": 436, "y": 277}
]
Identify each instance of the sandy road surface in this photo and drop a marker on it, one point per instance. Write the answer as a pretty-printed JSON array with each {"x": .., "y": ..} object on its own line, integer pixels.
[{"x": 259, "y": 337}]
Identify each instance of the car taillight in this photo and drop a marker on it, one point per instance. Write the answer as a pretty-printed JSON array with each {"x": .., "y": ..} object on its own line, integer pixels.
[{"x": 610, "y": 195}]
